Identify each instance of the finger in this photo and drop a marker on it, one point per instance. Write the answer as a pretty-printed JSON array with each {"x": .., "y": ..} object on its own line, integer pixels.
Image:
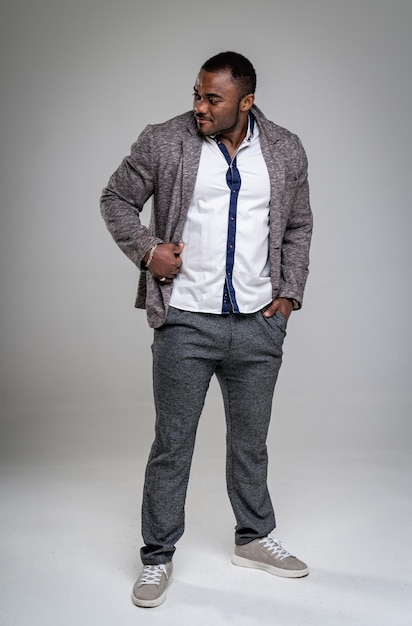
[
  {"x": 178, "y": 247},
  {"x": 271, "y": 310},
  {"x": 165, "y": 279}
]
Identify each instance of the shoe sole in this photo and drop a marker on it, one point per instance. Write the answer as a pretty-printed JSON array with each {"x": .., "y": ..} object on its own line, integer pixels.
[
  {"x": 271, "y": 569},
  {"x": 151, "y": 604}
]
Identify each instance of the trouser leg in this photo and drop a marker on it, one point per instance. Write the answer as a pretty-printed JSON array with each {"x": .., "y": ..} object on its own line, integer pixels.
[
  {"x": 247, "y": 379},
  {"x": 184, "y": 359}
]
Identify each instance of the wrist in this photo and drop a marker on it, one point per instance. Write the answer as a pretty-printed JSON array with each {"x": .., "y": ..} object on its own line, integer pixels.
[
  {"x": 295, "y": 303},
  {"x": 148, "y": 257}
]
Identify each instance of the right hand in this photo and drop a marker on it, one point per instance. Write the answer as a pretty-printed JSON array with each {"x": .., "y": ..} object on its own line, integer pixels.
[{"x": 166, "y": 262}]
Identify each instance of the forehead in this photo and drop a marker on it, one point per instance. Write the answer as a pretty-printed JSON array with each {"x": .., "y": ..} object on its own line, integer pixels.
[{"x": 218, "y": 83}]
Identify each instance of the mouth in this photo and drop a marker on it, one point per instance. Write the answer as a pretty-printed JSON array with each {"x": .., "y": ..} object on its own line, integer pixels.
[{"x": 202, "y": 120}]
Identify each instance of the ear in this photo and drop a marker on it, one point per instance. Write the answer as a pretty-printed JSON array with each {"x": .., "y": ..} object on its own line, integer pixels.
[{"x": 247, "y": 101}]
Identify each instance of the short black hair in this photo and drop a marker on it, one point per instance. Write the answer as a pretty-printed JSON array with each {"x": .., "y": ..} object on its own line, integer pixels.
[{"x": 240, "y": 67}]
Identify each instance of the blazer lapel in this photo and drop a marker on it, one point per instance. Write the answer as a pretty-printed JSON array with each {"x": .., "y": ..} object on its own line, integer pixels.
[{"x": 191, "y": 150}]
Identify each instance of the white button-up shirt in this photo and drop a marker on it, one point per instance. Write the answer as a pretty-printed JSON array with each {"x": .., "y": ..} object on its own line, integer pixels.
[{"x": 225, "y": 260}]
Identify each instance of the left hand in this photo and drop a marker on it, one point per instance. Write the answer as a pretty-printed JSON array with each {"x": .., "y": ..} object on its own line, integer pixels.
[{"x": 283, "y": 305}]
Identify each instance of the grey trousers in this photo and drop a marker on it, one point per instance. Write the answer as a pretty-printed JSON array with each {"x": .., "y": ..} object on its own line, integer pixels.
[{"x": 245, "y": 354}]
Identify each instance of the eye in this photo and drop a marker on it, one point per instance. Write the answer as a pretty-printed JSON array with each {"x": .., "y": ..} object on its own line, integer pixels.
[
  {"x": 212, "y": 101},
  {"x": 196, "y": 96}
]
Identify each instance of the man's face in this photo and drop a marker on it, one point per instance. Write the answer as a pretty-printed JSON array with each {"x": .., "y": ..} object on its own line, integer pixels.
[{"x": 216, "y": 101}]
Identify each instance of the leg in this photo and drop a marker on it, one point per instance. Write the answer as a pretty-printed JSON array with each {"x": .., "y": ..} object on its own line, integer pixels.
[
  {"x": 247, "y": 379},
  {"x": 184, "y": 360}
]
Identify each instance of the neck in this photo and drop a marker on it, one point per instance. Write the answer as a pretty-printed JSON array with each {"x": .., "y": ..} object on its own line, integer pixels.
[{"x": 233, "y": 139}]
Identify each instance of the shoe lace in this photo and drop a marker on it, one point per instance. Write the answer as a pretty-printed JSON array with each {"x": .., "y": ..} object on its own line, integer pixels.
[
  {"x": 152, "y": 574},
  {"x": 275, "y": 547}
]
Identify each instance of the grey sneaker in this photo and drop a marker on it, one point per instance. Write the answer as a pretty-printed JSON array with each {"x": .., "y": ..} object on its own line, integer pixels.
[
  {"x": 268, "y": 554},
  {"x": 150, "y": 588}
]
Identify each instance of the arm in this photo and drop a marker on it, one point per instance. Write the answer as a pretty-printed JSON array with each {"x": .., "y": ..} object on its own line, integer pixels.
[
  {"x": 297, "y": 234},
  {"x": 296, "y": 237},
  {"x": 131, "y": 185}
]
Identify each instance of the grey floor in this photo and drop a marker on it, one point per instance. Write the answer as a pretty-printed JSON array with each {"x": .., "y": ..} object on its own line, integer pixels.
[{"x": 69, "y": 540}]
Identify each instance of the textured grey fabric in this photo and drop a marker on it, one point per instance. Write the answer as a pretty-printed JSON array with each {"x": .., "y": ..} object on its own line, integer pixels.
[
  {"x": 245, "y": 353},
  {"x": 163, "y": 163}
]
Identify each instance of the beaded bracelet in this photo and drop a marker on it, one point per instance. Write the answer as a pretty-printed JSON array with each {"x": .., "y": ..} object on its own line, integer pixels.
[{"x": 149, "y": 260}]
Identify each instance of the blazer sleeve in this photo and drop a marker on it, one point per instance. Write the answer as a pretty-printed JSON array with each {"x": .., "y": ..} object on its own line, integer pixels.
[
  {"x": 122, "y": 201},
  {"x": 298, "y": 232}
]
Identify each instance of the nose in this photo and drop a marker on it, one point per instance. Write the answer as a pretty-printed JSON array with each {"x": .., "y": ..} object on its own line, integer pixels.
[{"x": 200, "y": 106}]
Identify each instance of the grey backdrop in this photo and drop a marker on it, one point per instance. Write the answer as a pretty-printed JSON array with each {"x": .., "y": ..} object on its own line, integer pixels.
[{"x": 80, "y": 80}]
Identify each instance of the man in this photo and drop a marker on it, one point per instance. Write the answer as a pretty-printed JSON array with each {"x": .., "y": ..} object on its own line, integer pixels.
[{"x": 223, "y": 264}]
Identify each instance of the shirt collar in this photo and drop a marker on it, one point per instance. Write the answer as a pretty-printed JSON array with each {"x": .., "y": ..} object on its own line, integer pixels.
[{"x": 250, "y": 127}]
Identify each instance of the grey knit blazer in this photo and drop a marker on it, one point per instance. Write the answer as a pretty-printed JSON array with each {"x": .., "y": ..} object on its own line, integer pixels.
[{"x": 163, "y": 164}]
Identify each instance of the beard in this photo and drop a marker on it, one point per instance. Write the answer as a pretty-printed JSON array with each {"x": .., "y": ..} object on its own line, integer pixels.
[{"x": 212, "y": 128}]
